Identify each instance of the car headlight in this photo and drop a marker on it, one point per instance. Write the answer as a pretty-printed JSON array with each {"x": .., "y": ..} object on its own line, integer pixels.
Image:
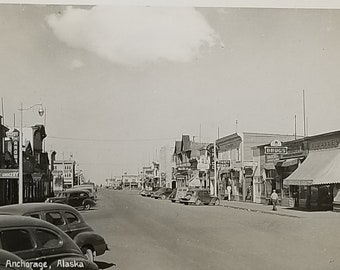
[{"x": 47, "y": 200}]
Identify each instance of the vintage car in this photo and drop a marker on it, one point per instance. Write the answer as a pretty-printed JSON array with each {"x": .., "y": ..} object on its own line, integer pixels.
[
  {"x": 152, "y": 192},
  {"x": 77, "y": 198},
  {"x": 67, "y": 219},
  {"x": 90, "y": 188},
  {"x": 179, "y": 194},
  {"x": 163, "y": 193},
  {"x": 41, "y": 244},
  {"x": 199, "y": 197}
]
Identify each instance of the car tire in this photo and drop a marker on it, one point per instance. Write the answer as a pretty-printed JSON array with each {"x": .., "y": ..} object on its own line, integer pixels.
[
  {"x": 163, "y": 197},
  {"x": 88, "y": 253},
  {"x": 217, "y": 202},
  {"x": 87, "y": 206},
  {"x": 198, "y": 202}
]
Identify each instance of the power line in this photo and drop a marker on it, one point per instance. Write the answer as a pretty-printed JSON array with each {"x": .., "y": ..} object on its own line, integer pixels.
[{"x": 110, "y": 140}]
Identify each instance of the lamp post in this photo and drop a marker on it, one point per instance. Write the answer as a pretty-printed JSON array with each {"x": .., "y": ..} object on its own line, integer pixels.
[{"x": 21, "y": 165}]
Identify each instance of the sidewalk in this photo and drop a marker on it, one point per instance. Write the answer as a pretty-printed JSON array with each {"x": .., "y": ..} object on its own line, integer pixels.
[{"x": 281, "y": 210}]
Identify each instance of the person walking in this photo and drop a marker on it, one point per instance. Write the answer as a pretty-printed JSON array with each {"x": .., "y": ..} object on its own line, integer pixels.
[
  {"x": 274, "y": 197},
  {"x": 229, "y": 192}
]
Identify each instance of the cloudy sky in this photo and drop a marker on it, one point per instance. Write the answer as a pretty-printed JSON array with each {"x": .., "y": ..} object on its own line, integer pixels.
[{"x": 120, "y": 82}]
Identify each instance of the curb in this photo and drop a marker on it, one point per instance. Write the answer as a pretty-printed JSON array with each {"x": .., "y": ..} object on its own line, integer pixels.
[{"x": 260, "y": 211}]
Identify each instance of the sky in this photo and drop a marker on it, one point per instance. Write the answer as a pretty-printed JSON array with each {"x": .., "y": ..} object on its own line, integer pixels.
[{"x": 119, "y": 82}]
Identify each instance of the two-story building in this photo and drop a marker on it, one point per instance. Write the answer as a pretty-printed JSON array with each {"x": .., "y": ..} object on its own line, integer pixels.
[
  {"x": 64, "y": 174},
  {"x": 36, "y": 171},
  {"x": 236, "y": 165},
  {"x": 186, "y": 158}
]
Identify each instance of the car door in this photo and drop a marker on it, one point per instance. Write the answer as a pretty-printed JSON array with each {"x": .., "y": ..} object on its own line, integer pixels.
[
  {"x": 55, "y": 217},
  {"x": 49, "y": 244},
  {"x": 75, "y": 225},
  {"x": 73, "y": 199},
  {"x": 205, "y": 197},
  {"x": 20, "y": 242}
]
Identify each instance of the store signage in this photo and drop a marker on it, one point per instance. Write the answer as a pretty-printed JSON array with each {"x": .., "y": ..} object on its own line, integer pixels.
[
  {"x": 276, "y": 143},
  {"x": 9, "y": 173},
  {"x": 223, "y": 163},
  {"x": 324, "y": 144},
  {"x": 12, "y": 134},
  {"x": 270, "y": 150}
]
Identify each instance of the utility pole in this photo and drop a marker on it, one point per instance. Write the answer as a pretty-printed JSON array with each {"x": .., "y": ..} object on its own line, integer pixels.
[
  {"x": 295, "y": 126},
  {"x": 304, "y": 112}
]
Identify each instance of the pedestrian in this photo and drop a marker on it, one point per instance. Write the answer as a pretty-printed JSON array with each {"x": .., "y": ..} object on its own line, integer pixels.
[
  {"x": 229, "y": 192},
  {"x": 274, "y": 197}
]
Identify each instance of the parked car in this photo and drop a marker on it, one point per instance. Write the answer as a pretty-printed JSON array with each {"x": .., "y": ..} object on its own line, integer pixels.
[
  {"x": 180, "y": 193},
  {"x": 150, "y": 192},
  {"x": 67, "y": 219},
  {"x": 199, "y": 197},
  {"x": 74, "y": 197},
  {"x": 154, "y": 190},
  {"x": 163, "y": 193},
  {"x": 90, "y": 188},
  {"x": 41, "y": 244}
]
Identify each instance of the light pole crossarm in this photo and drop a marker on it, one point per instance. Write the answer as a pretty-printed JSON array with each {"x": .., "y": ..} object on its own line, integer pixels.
[{"x": 25, "y": 109}]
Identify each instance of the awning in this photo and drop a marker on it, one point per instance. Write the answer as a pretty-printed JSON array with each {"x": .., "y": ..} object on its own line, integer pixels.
[
  {"x": 269, "y": 166},
  {"x": 290, "y": 162},
  {"x": 320, "y": 168}
]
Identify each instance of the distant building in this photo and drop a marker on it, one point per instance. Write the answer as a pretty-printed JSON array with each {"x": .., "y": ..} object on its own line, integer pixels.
[
  {"x": 166, "y": 165},
  {"x": 130, "y": 181},
  {"x": 64, "y": 174}
]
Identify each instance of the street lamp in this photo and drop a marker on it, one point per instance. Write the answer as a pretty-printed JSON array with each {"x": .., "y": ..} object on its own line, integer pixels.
[{"x": 21, "y": 165}]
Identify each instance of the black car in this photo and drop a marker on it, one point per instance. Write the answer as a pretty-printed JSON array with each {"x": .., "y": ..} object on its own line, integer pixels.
[
  {"x": 163, "y": 193},
  {"x": 41, "y": 244},
  {"x": 152, "y": 192},
  {"x": 76, "y": 198},
  {"x": 67, "y": 219}
]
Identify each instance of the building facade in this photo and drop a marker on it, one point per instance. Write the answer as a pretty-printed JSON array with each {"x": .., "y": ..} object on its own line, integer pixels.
[
  {"x": 64, "y": 174},
  {"x": 236, "y": 166},
  {"x": 186, "y": 156},
  {"x": 36, "y": 172}
]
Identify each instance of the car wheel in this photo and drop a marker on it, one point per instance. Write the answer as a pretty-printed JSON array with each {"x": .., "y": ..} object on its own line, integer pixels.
[
  {"x": 88, "y": 253},
  {"x": 198, "y": 202},
  {"x": 163, "y": 197},
  {"x": 87, "y": 206},
  {"x": 217, "y": 202}
]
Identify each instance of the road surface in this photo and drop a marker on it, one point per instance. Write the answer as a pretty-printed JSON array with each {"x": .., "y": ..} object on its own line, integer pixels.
[{"x": 145, "y": 233}]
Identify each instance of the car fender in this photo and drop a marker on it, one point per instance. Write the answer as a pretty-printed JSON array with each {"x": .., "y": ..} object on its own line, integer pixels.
[
  {"x": 90, "y": 201},
  {"x": 91, "y": 239}
]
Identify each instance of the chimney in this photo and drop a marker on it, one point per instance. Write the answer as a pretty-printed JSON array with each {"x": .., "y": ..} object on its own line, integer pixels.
[{"x": 52, "y": 160}]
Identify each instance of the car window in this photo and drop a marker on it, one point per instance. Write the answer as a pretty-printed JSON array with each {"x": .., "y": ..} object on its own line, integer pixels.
[
  {"x": 74, "y": 195},
  {"x": 16, "y": 240},
  {"x": 48, "y": 239},
  {"x": 71, "y": 218},
  {"x": 34, "y": 215},
  {"x": 55, "y": 218}
]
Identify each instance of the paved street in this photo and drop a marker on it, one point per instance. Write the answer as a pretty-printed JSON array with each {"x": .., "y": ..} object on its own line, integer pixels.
[{"x": 144, "y": 233}]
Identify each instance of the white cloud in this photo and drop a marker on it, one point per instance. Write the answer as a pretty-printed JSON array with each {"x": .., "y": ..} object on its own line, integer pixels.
[
  {"x": 135, "y": 35},
  {"x": 76, "y": 64}
]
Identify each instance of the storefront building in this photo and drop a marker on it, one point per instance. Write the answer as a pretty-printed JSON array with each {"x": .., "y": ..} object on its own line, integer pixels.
[
  {"x": 236, "y": 165},
  {"x": 186, "y": 158},
  {"x": 316, "y": 181},
  {"x": 36, "y": 171}
]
